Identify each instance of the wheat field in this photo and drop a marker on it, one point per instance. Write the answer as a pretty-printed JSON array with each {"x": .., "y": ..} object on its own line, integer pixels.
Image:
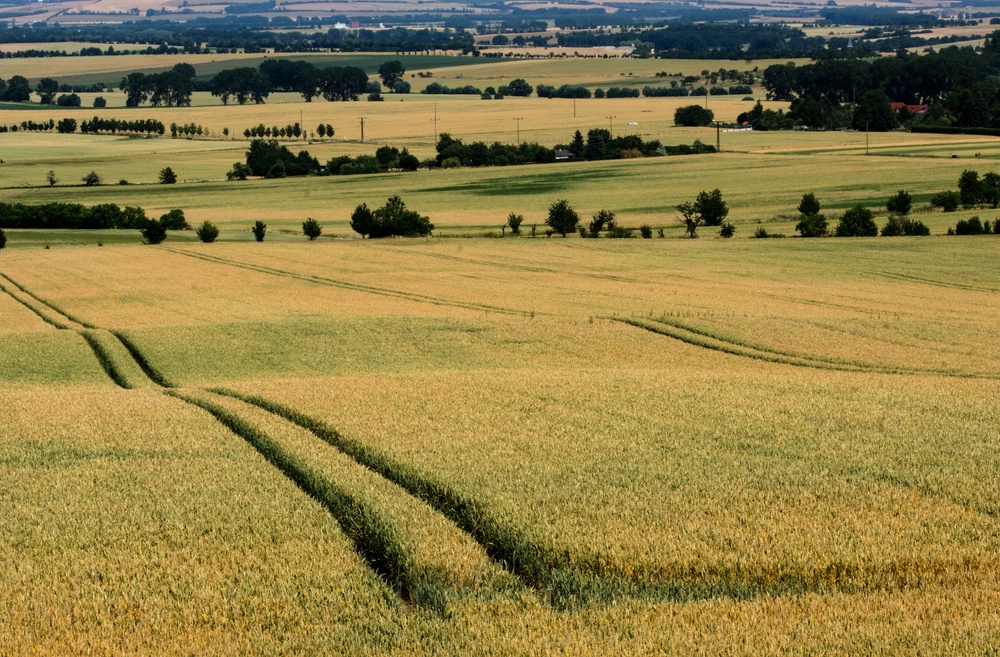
[{"x": 501, "y": 447}]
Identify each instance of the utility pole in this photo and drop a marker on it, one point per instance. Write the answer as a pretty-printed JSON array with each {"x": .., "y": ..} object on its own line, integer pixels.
[
  {"x": 517, "y": 120},
  {"x": 866, "y": 138},
  {"x": 611, "y": 124},
  {"x": 718, "y": 136},
  {"x": 362, "y": 129},
  {"x": 435, "y": 119}
]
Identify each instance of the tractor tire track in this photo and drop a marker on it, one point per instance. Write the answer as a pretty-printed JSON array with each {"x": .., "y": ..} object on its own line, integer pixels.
[
  {"x": 707, "y": 340},
  {"x": 356, "y": 287},
  {"x": 73, "y": 320}
]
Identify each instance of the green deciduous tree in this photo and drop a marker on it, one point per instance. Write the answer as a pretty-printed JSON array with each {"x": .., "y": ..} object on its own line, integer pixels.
[
  {"x": 391, "y": 72},
  {"x": 857, "y": 222},
  {"x": 259, "y": 229},
  {"x": 562, "y": 217},
  {"x": 362, "y": 220},
  {"x": 693, "y": 115},
  {"x": 900, "y": 203},
  {"x": 811, "y": 222},
  {"x": 154, "y": 232}
]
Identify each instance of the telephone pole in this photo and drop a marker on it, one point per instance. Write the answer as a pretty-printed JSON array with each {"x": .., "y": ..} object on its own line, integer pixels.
[
  {"x": 517, "y": 120},
  {"x": 362, "y": 129},
  {"x": 611, "y": 124},
  {"x": 435, "y": 119}
]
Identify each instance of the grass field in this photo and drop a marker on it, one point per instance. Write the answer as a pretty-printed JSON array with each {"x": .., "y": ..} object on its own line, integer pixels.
[
  {"x": 514, "y": 446},
  {"x": 502, "y": 447}
]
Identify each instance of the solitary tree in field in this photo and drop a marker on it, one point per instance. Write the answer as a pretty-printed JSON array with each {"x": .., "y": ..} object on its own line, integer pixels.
[
  {"x": 311, "y": 229},
  {"x": 3, "y": 239},
  {"x": 153, "y": 233},
  {"x": 259, "y": 229},
  {"x": 91, "y": 179},
  {"x": 362, "y": 220},
  {"x": 50, "y": 178},
  {"x": 207, "y": 232},
  {"x": 167, "y": 176},
  {"x": 562, "y": 217}
]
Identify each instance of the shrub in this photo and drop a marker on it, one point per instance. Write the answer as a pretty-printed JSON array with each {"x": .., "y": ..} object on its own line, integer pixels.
[
  {"x": 311, "y": 229},
  {"x": 207, "y": 232},
  {"x": 239, "y": 171},
  {"x": 996, "y": 227},
  {"x": 971, "y": 226},
  {"x": 727, "y": 230},
  {"x": 947, "y": 201},
  {"x": 100, "y": 102},
  {"x": 91, "y": 179},
  {"x": 646, "y": 231},
  {"x": 450, "y": 163},
  {"x": 761, "y": 233},
  {"x": 603, "y": 218},
  {"x": 3, "y": 239},
  {"x": 514, "y": 220},
  {"x": 154, "y": 233},
  {"x": 259, "y": 229},
  {"x": 857, "y": 222},
  {"x": 902, "y": 225},
  {"x": 174, "y": 220},
  {"x": 620, "y": 232}
]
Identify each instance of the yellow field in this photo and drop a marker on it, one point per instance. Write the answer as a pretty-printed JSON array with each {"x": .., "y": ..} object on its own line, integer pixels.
[
  {"x": 518, "y": 446},
  {"x": 502, "y": 447}
]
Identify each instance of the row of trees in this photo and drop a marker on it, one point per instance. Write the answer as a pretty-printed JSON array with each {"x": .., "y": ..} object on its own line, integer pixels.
[
  {"x": 70, "y": 216},
  {"x": 172, "y": 88}
]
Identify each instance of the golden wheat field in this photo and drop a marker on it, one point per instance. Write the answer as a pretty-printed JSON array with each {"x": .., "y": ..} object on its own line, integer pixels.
[
  {"x": 480, "y": 443},
  {"x": 501, "y": 446}
]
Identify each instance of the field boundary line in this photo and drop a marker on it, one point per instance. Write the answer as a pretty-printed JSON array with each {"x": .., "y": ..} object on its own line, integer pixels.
[
  {"x": 706, "y": 340},
  {"x": 54, "y": 307},
  {"x": 357, "y": 287}
]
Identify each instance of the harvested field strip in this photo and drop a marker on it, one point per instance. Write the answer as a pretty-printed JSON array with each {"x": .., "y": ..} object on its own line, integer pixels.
[
  {"x": 42, "y": 301},
  {"x": 43, "y": 315},
  {"x": 356, "y": 287},
  {"x": 154, "y": 374},
  {"x": 116, "y": 360},
  {"x": 704, "y": 339},
  {"x": 422, "y": 556}
]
